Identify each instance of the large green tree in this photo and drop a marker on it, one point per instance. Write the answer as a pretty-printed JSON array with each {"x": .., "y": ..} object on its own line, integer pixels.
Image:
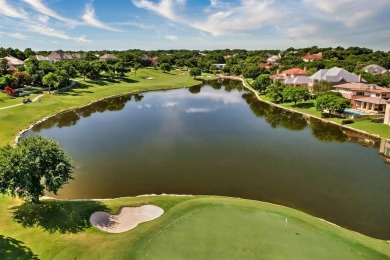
[
  {"x": 51, "y": 80},
  {"x": 36, "y": 164},
  {"x": 165, "y": 67},
  {"x": 262, "y": 82},
  {"x": 322, "y": 86},
  {"x": 295, "y": 94},
  {"x": 332, "y": 102},
  {"x": 275, "y": 91},
  {"x": 195, "y": 72}
]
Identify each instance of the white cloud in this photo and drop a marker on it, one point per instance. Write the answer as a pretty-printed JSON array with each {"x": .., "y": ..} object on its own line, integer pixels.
[
  {"x": 48, "y": 31},
  {"x": 170, "y": 104},
  {"x": 18, "y": 36},
  {"x": 213, "y": 2},
  {"x": 41, "y": 8},
  {"x": 171, "y": 37},
  {"x": 165, "y": 8},
  {"x": 302, "y": 31},
  {"x": 43, "y": 18},
  {"x": 10, "y": 11},
  {"x": 249, "y": 15},
  {"x": 90, "y": 18},
  {"x": 198, "y": 110},
  {"x": 349, "y": 12}
]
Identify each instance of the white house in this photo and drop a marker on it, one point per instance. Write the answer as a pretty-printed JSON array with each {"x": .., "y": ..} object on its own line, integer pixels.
[
  {"x": 219, "y": 66},
  {"x": 375, "y": 69},
  {"x": 335, "y": 76}
]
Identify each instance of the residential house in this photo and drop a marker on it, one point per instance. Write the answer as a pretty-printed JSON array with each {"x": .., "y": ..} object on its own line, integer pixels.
[
  {"x": 77, "y": 56},
  {"x": 299, "y": 81},
  {"x": 273, "y": 59},
  {"x": 290, "y": 73},
  {"x": 265, "y": 65},
  {"x": 13, "y": 63},
  {"x": 367, "y": 98},
  {"x": 149, "y": 61},
  {"x": 375, "y": 69},
  {"x": 293, "y": 77},
  {"x": 59, "y": 55},
  {"x": 219, "y": 66},
  {"x": 335, "y": 75},
  {"x": 312, "y": 57},
  {"x": 43, "y": 58},
  {"x": 107, "y": 56}
]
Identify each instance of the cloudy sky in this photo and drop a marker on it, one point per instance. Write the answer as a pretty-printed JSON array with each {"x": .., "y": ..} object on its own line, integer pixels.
[{"x": 193, "y": 24}]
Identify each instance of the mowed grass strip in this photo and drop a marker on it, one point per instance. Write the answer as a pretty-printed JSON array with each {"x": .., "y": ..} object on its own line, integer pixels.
[
  {"x": 17, "y": 118},
  {"x": 192, "y": 227}
]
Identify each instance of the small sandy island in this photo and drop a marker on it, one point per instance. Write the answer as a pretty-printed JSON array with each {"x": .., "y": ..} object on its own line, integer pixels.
[{"x": 127, "y": 218}]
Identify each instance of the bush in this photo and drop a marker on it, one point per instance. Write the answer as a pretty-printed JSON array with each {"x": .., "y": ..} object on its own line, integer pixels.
[
  {"x": 378, "y": 120},
  {"x": 347, "y": 121}
]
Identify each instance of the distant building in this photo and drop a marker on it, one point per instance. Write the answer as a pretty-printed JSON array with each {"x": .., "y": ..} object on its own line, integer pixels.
[
  {"x": 43, "y": 58},
  {"x": 273, "y": 59},
  {"x": 312, "y": 57},
  {"x": 219, "y": 66},
  {"x": 375, "y": 69},
  {"x": 107, "y": 56},
  {"x": 59, "y": 55},
  {"x": 149, "y": 61},
  {"x": 13, "y": 63}
]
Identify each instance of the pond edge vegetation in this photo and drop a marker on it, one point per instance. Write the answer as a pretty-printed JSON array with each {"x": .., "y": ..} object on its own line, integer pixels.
[{"x": 246, "y": 85}]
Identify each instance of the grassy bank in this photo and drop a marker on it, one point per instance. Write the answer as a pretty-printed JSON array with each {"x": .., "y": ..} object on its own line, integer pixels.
[
  {"x": 308, "y": 108},
  {"x": 17, "y": 118},
  {"x": 195, "y": 227}
]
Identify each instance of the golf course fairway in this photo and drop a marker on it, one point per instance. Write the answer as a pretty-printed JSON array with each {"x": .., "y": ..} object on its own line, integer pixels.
[{"x": 192, "y": 227}]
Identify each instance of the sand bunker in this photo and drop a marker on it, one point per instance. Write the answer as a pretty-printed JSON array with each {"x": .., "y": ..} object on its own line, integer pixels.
[{"x": 127, "y": 218}]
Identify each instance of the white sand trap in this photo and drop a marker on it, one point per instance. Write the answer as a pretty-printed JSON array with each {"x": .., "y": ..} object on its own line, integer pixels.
[
  {"x": 149, "y": 78},
  {"x": 127, "y": 218}
]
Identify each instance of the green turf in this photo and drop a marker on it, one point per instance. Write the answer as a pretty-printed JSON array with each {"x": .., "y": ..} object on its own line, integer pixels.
[
  {"x": 198, "y": 227},
  {"x": 15, "y": 119}
]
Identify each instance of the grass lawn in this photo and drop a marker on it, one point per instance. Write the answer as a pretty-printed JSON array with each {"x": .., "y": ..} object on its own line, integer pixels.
[
  {"x": 6, "y": 101},
  {"x": 15, "y": 119},
  {"x": 199, "y": 227}
]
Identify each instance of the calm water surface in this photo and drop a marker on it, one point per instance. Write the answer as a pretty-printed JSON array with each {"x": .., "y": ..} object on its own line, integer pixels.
[{"x": 218, "y": 139}]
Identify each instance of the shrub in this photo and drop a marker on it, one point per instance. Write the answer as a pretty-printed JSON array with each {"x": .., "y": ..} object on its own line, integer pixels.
[{"x": 347, "y": 121}]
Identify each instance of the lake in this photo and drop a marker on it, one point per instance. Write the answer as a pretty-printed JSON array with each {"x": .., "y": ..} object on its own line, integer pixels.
[{"x": 218, "y": 139}]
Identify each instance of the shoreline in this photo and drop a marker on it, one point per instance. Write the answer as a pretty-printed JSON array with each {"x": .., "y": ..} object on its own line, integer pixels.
[
  {"x": 299, "y": 112},
  {"x": 21, "y": 132}
]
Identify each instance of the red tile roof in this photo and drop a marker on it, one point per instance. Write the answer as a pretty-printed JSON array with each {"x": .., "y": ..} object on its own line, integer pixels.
[
  {"x": 295, "y": 71},
  {"x": 317, "y": 56}
]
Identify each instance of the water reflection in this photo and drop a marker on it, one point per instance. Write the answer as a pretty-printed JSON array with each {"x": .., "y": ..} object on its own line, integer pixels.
[
  {"x": 384, "y": 150},
  {"x": 275, "y": 116},
  {"x": 70, "y": 118},
  {"x": 326, "y": 132}
]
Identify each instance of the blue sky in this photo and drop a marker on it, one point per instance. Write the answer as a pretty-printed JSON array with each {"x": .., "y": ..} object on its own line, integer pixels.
[{"x": 193, "y": 24}]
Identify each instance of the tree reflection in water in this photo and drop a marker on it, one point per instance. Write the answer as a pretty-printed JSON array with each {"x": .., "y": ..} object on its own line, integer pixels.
[{"x": 70, "y": 118}]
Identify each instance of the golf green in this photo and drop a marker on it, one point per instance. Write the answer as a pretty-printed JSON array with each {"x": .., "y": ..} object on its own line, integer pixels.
[{"x": 192, "y": 227}]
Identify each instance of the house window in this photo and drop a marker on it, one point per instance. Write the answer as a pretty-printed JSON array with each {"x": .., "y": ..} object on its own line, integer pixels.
[
  {"x": 378, "y": 95},
  {"x": 360, "y": 93}
]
